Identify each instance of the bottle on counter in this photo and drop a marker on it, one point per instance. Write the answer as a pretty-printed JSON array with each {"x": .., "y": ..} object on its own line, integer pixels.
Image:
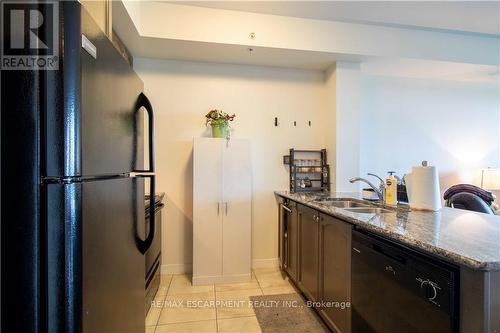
[{"x": 391, "y": 189}]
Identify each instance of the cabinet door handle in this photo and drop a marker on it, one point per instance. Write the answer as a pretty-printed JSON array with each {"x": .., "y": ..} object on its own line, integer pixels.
[
  {"x": 226, "y": 208},
  {"x": 286, "y": 208},
  {"x": 218, "y": 208}
]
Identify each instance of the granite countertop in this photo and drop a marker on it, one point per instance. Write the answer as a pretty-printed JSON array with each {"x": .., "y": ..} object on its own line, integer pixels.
[{"x": 459, "y": 236}]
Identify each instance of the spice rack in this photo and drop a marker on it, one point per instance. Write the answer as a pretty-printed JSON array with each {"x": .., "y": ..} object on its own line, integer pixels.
[{"x": 309, "y": 171}]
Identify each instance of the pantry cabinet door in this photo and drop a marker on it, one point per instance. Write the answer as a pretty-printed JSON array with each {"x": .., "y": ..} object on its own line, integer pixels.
[
  {"x": 207, "y": 208},
  {"x": 237, "y": 225}
]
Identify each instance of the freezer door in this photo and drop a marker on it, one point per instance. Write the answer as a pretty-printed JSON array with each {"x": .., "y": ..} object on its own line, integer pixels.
[
  {"x": 110, "y": 90},
  {"x": 92, "y": 126},
  {"x": 95, "y": 269}
]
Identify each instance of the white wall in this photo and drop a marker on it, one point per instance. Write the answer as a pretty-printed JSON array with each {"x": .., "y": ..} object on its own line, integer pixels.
[
  {"x": 331, "y": 122},
  {"x": 183, "y": 92},
  {"x": 347, "y": 114},
  {"x": 452, "y": 124},
  {"x": 343, "y": 97}
]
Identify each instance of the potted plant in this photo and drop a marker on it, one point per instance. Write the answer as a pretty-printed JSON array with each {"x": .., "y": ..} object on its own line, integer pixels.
[{"x": 219, "y": 121}]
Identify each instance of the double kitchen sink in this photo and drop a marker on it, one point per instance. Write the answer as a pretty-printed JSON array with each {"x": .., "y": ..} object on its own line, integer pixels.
[{"x": 355, "y": 206}]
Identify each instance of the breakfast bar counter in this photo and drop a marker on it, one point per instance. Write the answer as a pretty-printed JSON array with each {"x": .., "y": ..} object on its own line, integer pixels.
[
  {"x": 462, "y": 237},
  {"x": 468, "y": 242}
]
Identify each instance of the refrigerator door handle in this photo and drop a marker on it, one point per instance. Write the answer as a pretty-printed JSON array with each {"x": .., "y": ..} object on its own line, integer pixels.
[
  {"x": 144, "y": 245},
  {"x": 143, "y": 101}
]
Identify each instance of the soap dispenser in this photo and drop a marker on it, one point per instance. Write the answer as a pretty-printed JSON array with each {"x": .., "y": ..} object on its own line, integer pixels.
[{"x": 391, "y": 189}]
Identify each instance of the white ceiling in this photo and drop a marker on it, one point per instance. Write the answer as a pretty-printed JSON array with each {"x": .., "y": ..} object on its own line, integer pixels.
[
  {"x": 464, "y": 16},
  {"x": 430, "y": 69},
  {"x": 162, "y": 48}
]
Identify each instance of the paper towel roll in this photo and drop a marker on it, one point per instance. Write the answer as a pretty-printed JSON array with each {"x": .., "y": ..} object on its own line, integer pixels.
[{"x": 423, "y": 190}]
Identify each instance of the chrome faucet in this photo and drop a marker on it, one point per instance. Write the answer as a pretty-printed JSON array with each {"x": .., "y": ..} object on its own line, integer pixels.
[{"x": 380, "y": 190}]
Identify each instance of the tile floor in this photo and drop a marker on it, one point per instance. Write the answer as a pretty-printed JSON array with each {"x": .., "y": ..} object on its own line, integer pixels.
[{"x": 182, "y": 307}]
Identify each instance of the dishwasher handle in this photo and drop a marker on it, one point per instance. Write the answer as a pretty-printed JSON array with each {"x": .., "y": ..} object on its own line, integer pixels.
[
  {"x": 389, "y": 253},
  {"x": 362, "y": 241}
]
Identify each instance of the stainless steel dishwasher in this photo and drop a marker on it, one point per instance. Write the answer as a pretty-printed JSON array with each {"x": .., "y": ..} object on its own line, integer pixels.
[{"x": 396, "y": 289}]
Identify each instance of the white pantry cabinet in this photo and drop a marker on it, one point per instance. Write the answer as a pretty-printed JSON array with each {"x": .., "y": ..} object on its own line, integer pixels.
[{"x": 222, "y": 209}]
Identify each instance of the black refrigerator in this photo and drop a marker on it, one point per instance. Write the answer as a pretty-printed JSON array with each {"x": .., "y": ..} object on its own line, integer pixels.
[{"x": 73, "y": 175}]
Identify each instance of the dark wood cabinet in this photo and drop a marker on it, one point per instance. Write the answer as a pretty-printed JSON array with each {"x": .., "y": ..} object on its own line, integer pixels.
[
  {"x": 292, "y": 263},
  {"x": 335, "y": 272},
  {"x": 315, "y": 252},
  {"x": 320, "y": 247},
  {"x": 308, "y": 222},
  {"x": 289, "y": 247}
]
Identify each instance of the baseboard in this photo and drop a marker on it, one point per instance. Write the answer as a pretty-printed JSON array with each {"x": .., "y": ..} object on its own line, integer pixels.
[
  {"x": 207, "y": 280},
  {"x": 176, "y": 269},
  {"x": 266, "y": 263},
  {"x": 188, "y": 268}
]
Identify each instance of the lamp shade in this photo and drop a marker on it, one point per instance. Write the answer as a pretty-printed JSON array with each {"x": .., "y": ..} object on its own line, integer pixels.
[{"x": 490, "y": 179}]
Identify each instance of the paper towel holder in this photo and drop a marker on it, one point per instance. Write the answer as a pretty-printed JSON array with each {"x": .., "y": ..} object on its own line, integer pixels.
[{"x": 430, "y": 191}]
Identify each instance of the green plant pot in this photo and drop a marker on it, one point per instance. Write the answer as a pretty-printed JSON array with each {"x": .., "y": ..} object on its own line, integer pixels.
[{"x": 219, "y": 131}]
